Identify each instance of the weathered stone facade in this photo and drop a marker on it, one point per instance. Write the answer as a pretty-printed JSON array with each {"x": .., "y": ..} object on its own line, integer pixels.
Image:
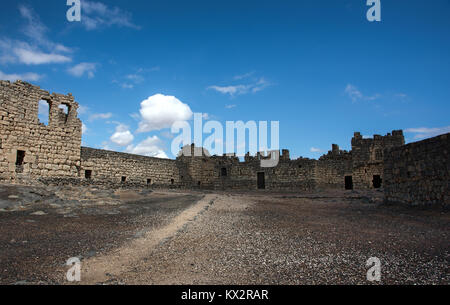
[
  {"x": 28, "y": 148},
  {"x": 367, "y": 157},
  {"x": 53, "y": 154},
  {"x": 115, "y": 168},
  {"x": 419, "y": 173}
]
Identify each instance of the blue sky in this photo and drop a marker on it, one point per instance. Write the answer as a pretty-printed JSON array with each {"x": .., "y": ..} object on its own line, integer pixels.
[{"x": 318, "y": 67}]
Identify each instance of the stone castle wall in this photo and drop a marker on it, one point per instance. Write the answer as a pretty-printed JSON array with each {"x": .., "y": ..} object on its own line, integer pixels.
[
  {"x": 121, "y": 169},
  {"x": 415, "y": 173},
  {"x": 419, "y": 173},
  {"x": 367, "y": 156},
  {"x": 30, "y": 149}
]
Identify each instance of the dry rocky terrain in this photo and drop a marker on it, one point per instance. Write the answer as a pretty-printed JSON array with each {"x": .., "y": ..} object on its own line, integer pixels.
[{"x": 181, "y": 237}]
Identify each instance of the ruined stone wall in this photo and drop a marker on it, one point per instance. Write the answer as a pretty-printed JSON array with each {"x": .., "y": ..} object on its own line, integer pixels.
[
  {"x": 30, "y": 149},
  {"x": 109, "y": 168},
  {"x": 419, "y": 173},
  {"x": 331, "y": 169},
  {"x": 227, "y": 172},
  {"x": 367, "y": 156}
]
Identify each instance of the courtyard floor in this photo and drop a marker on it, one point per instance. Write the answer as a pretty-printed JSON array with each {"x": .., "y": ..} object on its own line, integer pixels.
[{"x": 180, "y": 237}]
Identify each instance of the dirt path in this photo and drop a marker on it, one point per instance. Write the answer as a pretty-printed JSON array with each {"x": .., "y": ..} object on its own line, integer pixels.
[{"x": 112, "y": 265}]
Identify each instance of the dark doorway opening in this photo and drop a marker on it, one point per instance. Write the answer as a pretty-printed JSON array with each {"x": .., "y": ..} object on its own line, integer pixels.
[
  {"x": 88, "y": 174},
  {"x": 348, "y": 182},
  {"x": 223, "y": 172},
  {"x": 172, "y": 181},
  {"x": 377, "y": 181},
  {"x": 19, "y": 161},
  {"x": 20, "y": 157},
  {"x": 149, "y": 181},
  {"x": 124, "y": 179},
  {"x": 261, "y": 181}
]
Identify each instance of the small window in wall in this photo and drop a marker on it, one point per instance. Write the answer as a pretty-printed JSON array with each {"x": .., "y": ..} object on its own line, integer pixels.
[
  {"x": 149, "y": 181},
  {"x": 172, "y": 181},
  {"x": 20, "y": 157},
  {"x": 44, "y": 112},
  {"x": 124, "y": 179},
  {"x": 377, "y": 181},
  {"x": 223, "y": 172},
  {"x": 88, "y": 174},
  {"x": 348, "y": 182},
  {"x": 65, "y": 110}
]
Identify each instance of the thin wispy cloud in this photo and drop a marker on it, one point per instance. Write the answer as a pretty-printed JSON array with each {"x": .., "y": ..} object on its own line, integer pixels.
[
  {"x": 315, "y": 150},
  {"x": 129, "y": 81},
  {"x": 29, "y": 56},
  {"x": 97, "y": 15},
  {"x": 25, "y": 76},
  {"x": 100, "y": 116},
  {"x": 84, "y": 128},
  {"x": 37, "y": 31},
  {"x": 424, "y": 132},
  {"x": 243, "y": 76},
  {"x": 356, "y": 95},
  {"x": 239, "y": 89},
  {"x": 38, "y": 50}
]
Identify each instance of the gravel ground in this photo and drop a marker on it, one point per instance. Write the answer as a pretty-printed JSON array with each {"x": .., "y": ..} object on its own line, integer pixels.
[
  {"x": 42, "y": 228},
  {"x": 241, "y": 238},
  {"x": 275, "y": 239}
]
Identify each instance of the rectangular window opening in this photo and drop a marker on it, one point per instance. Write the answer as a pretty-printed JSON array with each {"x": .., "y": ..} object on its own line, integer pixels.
[{"x": 44, "y": 112}]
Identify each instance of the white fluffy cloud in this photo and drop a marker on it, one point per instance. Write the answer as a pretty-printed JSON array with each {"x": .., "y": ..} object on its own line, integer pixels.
[
  {"x": 315, "y": 150},
  {"x": 122, "y": 136},
  {"x": 25, "y": 76},
  {"x": 82, "y": 68},
  {"x": 161, "y": 111},
  {"x": 150, "y": 147}
]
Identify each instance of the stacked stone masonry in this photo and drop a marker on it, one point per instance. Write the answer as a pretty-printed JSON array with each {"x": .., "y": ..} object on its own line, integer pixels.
[
  {"x": 53, "y": 154},
  {"x": 28, "y": 147},
  {"x": 419, "y": 173}
]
